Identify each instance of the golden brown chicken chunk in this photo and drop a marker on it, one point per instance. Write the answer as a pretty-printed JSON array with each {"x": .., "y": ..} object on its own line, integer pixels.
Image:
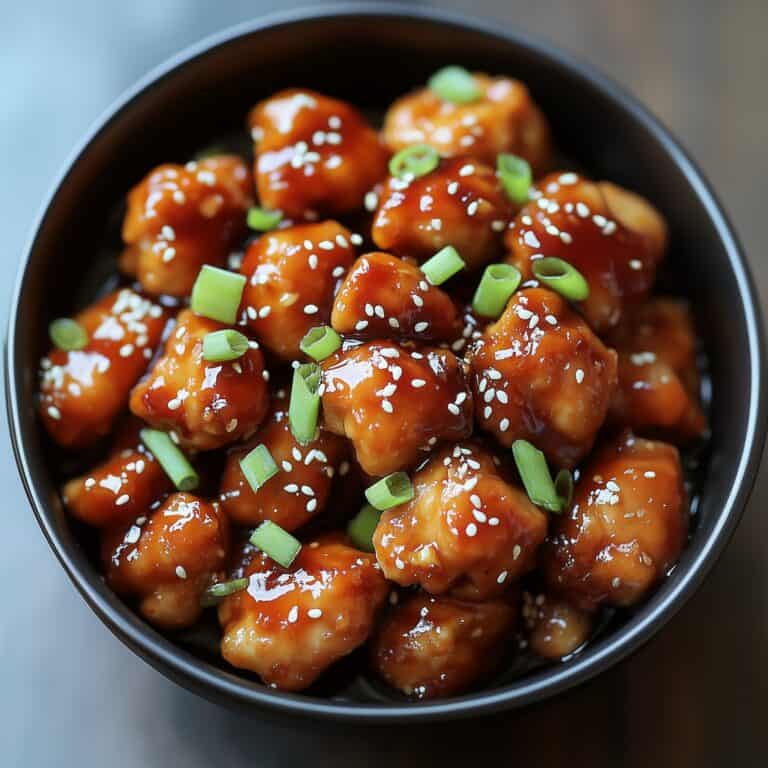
[
  {"x": 315, "y": 156},
  {"x": 658, "y": 377},
  {"x": 120, "y": 488},
  {"x": 503, "y": 119},
  {"x": 612, "y": 236},
  {"x": 82, "y": 392},
  {"x": 299, "y": 490},
  {"x": 626, "y": 527},
  {"x": 460, "y": 203},
  {"x": 394, "y": 402},
  {"x": 465, "y": 529},
  {"x": 540, "y": 374},
  {"x": 437, "y": 646},
  {"x": 167, "y": 557},
  {"x": 181, "y": 217},
  {"x": 206, "y": 404},
  {"x": 385, "y": 296},
  {"x": 290, "y": 624},
  {"x": 555, "y": 628},
  {"x": 292, "y": 275}
]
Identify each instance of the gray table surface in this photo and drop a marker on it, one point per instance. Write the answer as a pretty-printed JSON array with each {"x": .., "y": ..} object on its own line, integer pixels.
[{"x": 71, "y": 694}]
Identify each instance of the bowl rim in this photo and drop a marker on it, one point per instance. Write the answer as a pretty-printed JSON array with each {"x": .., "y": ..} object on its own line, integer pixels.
[{"x": 212, "y": 682}]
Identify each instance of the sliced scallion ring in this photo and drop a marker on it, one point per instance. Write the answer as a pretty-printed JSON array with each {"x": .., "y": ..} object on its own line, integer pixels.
[
  {"x": 414, "y": 161},
  {"x": 258, "y": 466},
  {"x": 216, "y": 592},
  {"x": 443, "y": 265},
  {"x": 564, "y": 487},
  {"x": 68, "y": 334},
  {"x": 171, "y": 459},
  {"x": 262, "y": 220},
  {"x": 220, "y": 346},
  {"x": 216, "y": 294},
  {"x": 498, "y": 283},
  {"x": 304, "y": 407},
  {"x": 454, "y": 84},
  {"x": 278, "y": 544},
  {"x": 562, "y": 277},
  {"x": 515, "y": 176},
  {"x": 320, "y": 342},
  {"x": 390, "y": 491},
  {"x": 534, "y": 473},
  {"x": 361, "y": 527}
]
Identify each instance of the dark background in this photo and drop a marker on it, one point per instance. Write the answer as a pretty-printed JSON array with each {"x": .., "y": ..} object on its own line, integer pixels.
[{"x": 71, "y": 694}]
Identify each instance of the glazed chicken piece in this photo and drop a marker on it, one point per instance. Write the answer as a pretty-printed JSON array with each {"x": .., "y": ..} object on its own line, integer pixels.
[
  {"x": 626, "y": 527},
  {"x": 613, "y": 237},
  {"x": 503, "y": 119},
  {"x": 299, "y": 490},
  {"x": 394, "y": 403},
  {"x": 460, "y": 203},
  {"x": 181, "y": 217},
  {"x": 658, "y": 377},
  {"x": 385, "y": 296},
  {"x": 120, "y": 488},
  {"x": 555, "y": 628},
  {"x": 290, "y": 624},
  {"x": 292, "y": 275},
  {"x": 540, "y": 374},
  {"x": 167, "y": 557},
  {"x": 430, "y": 647},
  {"x": 82, "y": 392},
  {"x": 465, "y": 529},
  {"x": 207, "y": 405},
  {"x": 315, "y": 156}
]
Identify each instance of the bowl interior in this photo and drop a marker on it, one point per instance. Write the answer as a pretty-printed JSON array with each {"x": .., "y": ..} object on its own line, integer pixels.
[{"x": 369, "y": 60}]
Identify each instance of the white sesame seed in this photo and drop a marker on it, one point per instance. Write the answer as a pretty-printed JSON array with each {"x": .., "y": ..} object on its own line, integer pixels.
[
  {"x": 310, "y": 309},
  {"x": 579, "y": 375},
  {"x": 286, "y": 465},
  {"x": 466, "y": 170},
  {"x": 516, "y": 550},
  {"x": 387, "y": 406},
  {"x": 487, "y": 411},
  {"x": 650, "y": 475},
  {"x": 293, "y": 614},
  {"x": 124, "y": 499},
  {"x": 471, "y": 530},
  {"x": 501, "y": 578},
  {"x": 54, "y": 412},
  {"x": 418, "y": 383},
  {"x": 493, "y": 521},
  {"x": 421, "y": 326},
  {"x": 356, "y": 239},
  {"x": 476, "y": 501},
  {"x": 472, "y": 208},
  {"x": 504, "y": 425},
  {"x": 264, "y": 312},
  {"x": 181, "y": 571},
  {"x": 314, "y": 613},
  {"x": 361, "y": 325},
  {"x": 454, "y": 409},
  {"x": 291, "y": 488},
  {"x": 311, "y": 505}
]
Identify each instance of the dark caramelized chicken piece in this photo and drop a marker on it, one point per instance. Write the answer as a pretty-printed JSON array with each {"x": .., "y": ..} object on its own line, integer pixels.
[
  {"x": 394, "y": 402},
  {"x": 82, "y": 392},
  {"x": 167, "y": 558},
  {"x": 292, "y": 275},
  {"x": 465, "y": 529},
  {"x": 315, "y": 156},
  {"x": 504, "y": 119},
  {"x": 290, "y": 624},
  {"x": 612, "y": 236},
  {"x": 626, "y": 527},
  {"x": 658, "y": 377},
  {"x": 207, "y": 405},
  {"x": 540, "y": 374},
  {"x": 460, "y": 203},
  {"x": 299, "y": 490},
  {"x": 555, "y": 628},
  {"x": 385, "y": 296},
  {"x": 181, "y": 217},
  {"x": 120, "y": 488},
  {"x": 437, "y": 646}
]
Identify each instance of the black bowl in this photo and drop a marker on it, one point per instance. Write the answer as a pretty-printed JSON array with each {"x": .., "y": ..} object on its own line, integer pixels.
[{"x": 369, "y": 54}]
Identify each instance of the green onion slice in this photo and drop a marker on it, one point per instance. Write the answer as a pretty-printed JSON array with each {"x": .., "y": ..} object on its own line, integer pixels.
[
  {"x": 390, "y": 491},
  {"x": 562, "y": 277},
  {"x": 516, "y": 177},
  {"x": 564, "y": 487},
  {"x": 262, "y": 220},
  {"x": 217, "y": 293},
  {"x": 304, "y": 407},
  {"x": 67, "y": 334},
  {"x": 414, "y": 161},
  {"x": 454, "y": 84},
  {"x": 171, "y": 459},
  {"x": 320, "y": 342},
  {"x": 227, "y": 344},
  {"x": 498, "y": 283},
  {"x": 534, "y": 472},
  {"x": 443, "y": 265},
  {"x": 361, "y": 527},
  {"x": 278, "y": 544},
  {"x": 223, "y": 589},
  {"x": 258, "y": 466}
]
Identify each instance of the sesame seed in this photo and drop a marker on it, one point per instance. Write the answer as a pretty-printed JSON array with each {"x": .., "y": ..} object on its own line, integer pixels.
[
  {"x": 370, "y": 201},
  {"x": 361, "y": 325},
  {"x": 568, "y": 178},
  {"x": 476, "y": 501},
  {"x": 418, "y": 383},
  {"x": 356, "y": 239},
  {"x": 635, "y": 264},
  {"x": 293, "y": 614},
  {"x": 312, "y": 261},
  {"x": 471, "y": 530},
  {"x": 181, "y": 572},
  {"x": 286, "y": 465},
  {"x": 649, "y": 475},
  {"x": 314, "y": 613},
  {"x": 516, "y": 550},
  {"x": 124, "y": 499},
  {"x": 264, "y": 312},
  {"x": 487, "y": 411},
  {"x": 579, "y": 375},
  {"x": 454, "y": 409},
  {"x": 291, "y": 488},
  {"x": 467, "y": 170},
  {"x": 310, "y": 309},
  {"x": 387, "y": 406},
  {"x": 504, "y": 424},
  {"x": 501, "y": 578},
  {"x": 311, "y": 505},
  {"x": 493, "y": 521},
  {"x": 54, "y": 412},
  {"x": 421, "y": 326},
  {"x": 472, "y": 208}
]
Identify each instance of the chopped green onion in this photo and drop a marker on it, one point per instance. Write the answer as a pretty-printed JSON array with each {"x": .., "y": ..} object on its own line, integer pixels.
[
  {"x": 414, "y": 161},
  {"x": 171, "y": 459},
  {"x": 304, "y": 407},
  {"x": 217, "y": 293},
  {"x": 216, "y": 592},
  {"x": 562, "y": 277},
  {"x": 227, "y": 344},
  {"x": 498, "y": 283},
  {"x": 258, "y": 466},
  {"x": 263, "y": 220},
  {"x": 516, "y": 177},
  {"x": 361, "y": 527},
  {"x": 278, "y": 544},
  {"x": 67, "y": 334},
  {"x": 390, "y": 491},
  {"x": 454, "y": 84},
  {"x": 320, "y": 342},
  {"x": 564, "y": 487},
  {"x": 443, "y": 265},
  {"x": 534, "y": 473}
]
